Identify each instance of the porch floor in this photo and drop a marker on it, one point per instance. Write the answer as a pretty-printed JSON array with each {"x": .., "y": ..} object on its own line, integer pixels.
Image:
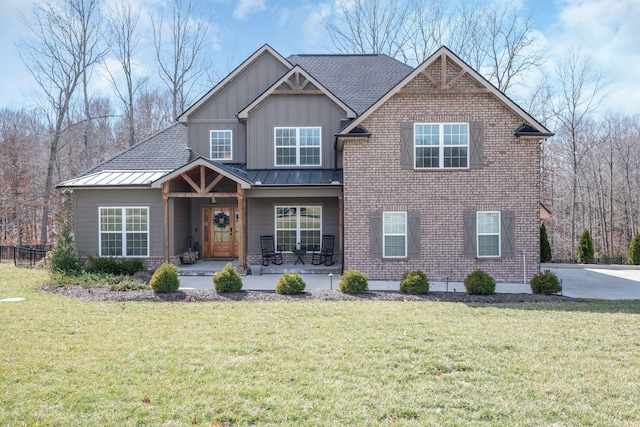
[{"x": 210, "y": 267}]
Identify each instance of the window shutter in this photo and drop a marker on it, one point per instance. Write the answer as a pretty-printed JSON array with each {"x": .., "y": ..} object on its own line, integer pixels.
[
  {"x": 413, "y": 231},
  {"x": 375, "y": 234},
  {"x": 406, "y": 145},
  {"x": 476, "y": 135},
  {"x": 507, "y": 233},
  {"x": 470, "y": 234}
]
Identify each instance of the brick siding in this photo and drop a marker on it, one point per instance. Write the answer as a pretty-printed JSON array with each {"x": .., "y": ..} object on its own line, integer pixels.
[{"x": 509, "y": 180}]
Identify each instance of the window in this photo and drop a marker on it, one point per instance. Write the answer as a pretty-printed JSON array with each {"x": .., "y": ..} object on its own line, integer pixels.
[
  {"x": 124, "y": 231},
  {"x": 394, "y": 234},
  {"x": 297, "y": 146},
  {"x": 221, "y": 145},
  {"x": 441, "y": 145},
  {"x": 298, "y": 224},
  {"x": 488, "y": 226}
]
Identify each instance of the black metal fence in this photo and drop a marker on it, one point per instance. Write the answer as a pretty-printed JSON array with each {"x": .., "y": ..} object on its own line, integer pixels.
[
  {"x": 24, "y": 256},
  {"x": 602, "y": 260}
]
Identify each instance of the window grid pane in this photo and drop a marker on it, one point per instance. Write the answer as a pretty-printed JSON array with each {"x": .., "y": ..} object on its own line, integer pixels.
[
  {"x": 298, "y": 225},
  {"x": 298, "y": 146},
  {"x": 221, "y": 145},
  {"x": 441, "y": 145},
  {"x": 488, "y": 228},
  {"x": 130, "y": 240},
  {"x": 395, "y": 230}
]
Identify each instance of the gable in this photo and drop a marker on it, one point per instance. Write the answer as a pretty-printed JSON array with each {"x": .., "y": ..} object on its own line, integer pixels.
[
  {"x": 443, "y": 73},
  {"x": 240, "y": 87}
]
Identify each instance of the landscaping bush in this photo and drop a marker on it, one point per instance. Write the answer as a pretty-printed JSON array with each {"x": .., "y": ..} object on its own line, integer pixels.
[
  {"x": 634, "y": 250},
  {"x": 545, "y": 283},
  {"x": 290, "y": 283},
  {"x": 585, "y": 248},
  {"x": 108, "y": 265},
  {"x": 353, "y": 282},
  {"x": 479, "y": 283},
  {"x": 165, "y": 279},
  {"x": 414, "y": 283},
  {"x": 545, "y": 247},
  {"x": 227, "y": 280},
  {"x": 65, "y": 257}
]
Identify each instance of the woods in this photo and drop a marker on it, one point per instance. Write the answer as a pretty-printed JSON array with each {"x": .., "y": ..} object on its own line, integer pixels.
[{"x": 589, "y": 169}]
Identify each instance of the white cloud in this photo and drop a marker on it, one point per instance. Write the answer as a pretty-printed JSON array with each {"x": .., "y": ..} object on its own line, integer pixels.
[{"x": 247, "y": 7}]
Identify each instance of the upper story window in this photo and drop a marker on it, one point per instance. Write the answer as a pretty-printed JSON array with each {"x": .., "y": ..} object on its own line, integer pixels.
[
  {"x": 297, "y": 146},
  {"x": 441, "y": 145},
  {"x": 221, "y": 143}
]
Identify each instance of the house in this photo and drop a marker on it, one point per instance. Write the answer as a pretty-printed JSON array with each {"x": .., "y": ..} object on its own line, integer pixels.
[{"x": 429, "y": 168}]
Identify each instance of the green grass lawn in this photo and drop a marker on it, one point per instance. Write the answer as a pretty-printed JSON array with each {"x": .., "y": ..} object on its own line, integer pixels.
[{"x": 70, "y": 362}]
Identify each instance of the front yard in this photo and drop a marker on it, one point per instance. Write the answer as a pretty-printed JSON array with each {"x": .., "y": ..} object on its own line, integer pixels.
[{"x": 65, "y": 361}]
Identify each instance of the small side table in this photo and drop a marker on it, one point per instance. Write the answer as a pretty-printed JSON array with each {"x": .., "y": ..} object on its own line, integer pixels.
[{"x": 299, "y": 253}]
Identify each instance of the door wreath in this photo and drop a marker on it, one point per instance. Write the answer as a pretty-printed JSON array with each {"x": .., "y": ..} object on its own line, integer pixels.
[{"x": 221, "y": 220}]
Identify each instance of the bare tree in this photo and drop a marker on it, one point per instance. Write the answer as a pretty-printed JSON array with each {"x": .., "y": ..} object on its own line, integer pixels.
[
  {"x": 370, "y": 26},
  {"x": 580, "y": 88},
  {"x": 125, "y": 38},
  {"x": 180, "y": 47},
  {"x": 54, "y": 57}
]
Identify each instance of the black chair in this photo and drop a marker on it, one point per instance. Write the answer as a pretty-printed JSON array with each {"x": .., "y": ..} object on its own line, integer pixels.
[
  {"x": 269, "y": 252},
  {"x": 325, "y": 254}
]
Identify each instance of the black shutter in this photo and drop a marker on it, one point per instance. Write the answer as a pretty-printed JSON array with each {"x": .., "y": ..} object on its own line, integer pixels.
[
  {"x": 470, "y": 237},
  {"x": 508, "y": 234},
  {"x": 406, "y": 146},
  {"x": 476, "y": 135},
  {"x": 375, "y": 234},
  {"x": 413, "y": 230}
]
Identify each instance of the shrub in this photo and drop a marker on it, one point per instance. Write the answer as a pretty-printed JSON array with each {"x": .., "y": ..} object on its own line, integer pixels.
[
  {"x": 414, "y": 283},
  {"x": 290, "y": 283},
  {"x": 353, "y": 282},
  {"x": 585, "y": 248},
  {"x": 634, "y": 250},
  {"x": 545, "y": 283},
  {"x": 165, "y": 279},
  {"x": 65, "y": 257},
  {"x": 227, "y": 280},
  {"x": 545, "y": 247},
  {"x": 479, "y": 283},
  {"x": 110, "y": 265}
]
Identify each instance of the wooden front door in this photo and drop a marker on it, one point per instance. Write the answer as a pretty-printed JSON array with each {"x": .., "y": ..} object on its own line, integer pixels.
[{"x": 219, "y": 237}]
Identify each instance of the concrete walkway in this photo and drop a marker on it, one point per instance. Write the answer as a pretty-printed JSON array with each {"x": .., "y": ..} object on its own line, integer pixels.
[{"x": 579, "y": 281}]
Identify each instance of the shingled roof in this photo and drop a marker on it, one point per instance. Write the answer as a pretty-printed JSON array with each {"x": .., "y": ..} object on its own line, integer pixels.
[{"x": 358, "y": 80}]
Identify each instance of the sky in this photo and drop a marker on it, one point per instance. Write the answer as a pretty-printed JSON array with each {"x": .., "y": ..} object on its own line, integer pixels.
[{"x": 607, "y": 30}]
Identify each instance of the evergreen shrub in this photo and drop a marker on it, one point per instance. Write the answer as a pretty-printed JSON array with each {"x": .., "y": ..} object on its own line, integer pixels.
[
  {"x": 480, "y": 283},
  {"x": 227, "y": 280},
  {"x": 290, "y": 283},
  {"x": 585, "y": 248},
  {"x": 545, "y": 283},
  {"x": 634, "y": 251},
  {"x": 353, "y": 282},
  {"x": 414, "y": 283},
  {"x": 165, "y": 279}
]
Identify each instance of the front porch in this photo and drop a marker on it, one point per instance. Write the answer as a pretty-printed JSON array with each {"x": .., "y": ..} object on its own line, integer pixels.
[{"x": 210, "y": 267}]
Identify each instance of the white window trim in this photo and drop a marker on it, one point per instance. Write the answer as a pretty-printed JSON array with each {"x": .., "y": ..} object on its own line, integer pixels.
[
  {"x": 499, "y": 234},
  {"x": 385, "y": 234},
  {"x": 440, "y": 145},
  {"x": 297, "y": 146},
  {"x": 297, "y": 229},
  {"x": 230, "y": 145},
  {"x": 124, "y": 231}
]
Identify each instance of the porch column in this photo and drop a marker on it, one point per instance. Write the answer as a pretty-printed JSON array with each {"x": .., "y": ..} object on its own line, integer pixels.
[
  {"x": 165, "y": 205},
  {"x": 340, "y": 229},
  {"x": 242, "y": 229}
]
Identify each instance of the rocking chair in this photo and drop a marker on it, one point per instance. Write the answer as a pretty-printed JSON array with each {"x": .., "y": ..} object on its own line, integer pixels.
[
  {"x": 325, "y": 254},
  {"x": 269, "y": 251}
]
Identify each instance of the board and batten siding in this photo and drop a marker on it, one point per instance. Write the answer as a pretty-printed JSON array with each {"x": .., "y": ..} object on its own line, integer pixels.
[
  {"x": 291, "y": 111},
  {"x": 220, "y": 112},
  {"x": 261, "y": 217},
  {"x": 87, "y": 227}
]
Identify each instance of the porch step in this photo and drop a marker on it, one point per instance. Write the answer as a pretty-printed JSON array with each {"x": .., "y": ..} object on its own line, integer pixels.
[{"x": 302, "y": 269}]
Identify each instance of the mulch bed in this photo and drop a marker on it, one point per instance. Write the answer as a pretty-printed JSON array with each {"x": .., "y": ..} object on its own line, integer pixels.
[{"x": 103, "y": 293}]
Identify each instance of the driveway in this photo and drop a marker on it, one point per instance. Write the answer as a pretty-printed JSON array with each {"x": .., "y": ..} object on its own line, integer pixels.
[{"x": 598, "y": 281}]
